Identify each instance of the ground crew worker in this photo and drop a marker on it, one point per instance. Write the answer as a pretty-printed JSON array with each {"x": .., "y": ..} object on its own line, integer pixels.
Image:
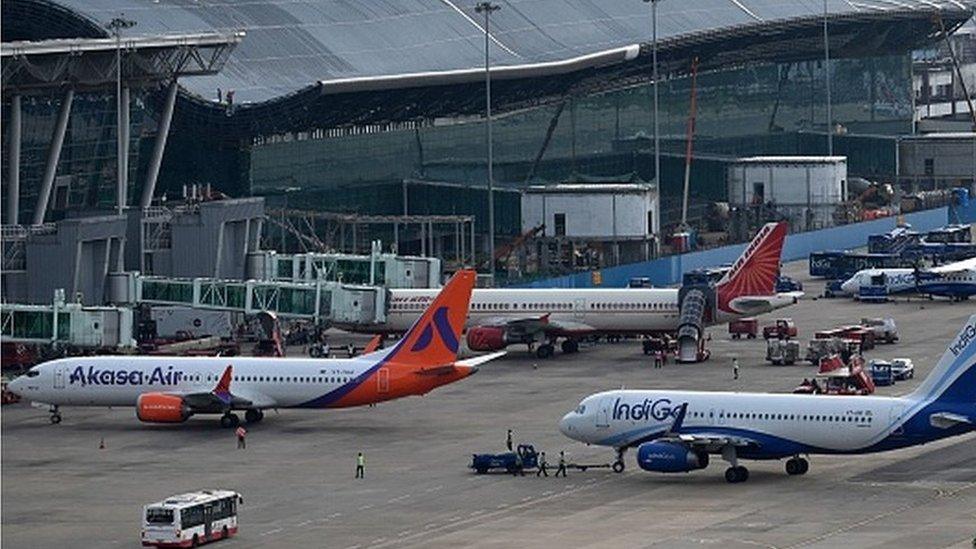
[
  {"x": 360, "y": 466},
  {"x": 351, "y": 349},
  {"x": 519, "y": 466},
  {"x": 241, "y": 432},
  {"x": 562, "y": 464},
  {"x": 508, "y": 440},
  {"x": 658, "y": 359},
  {"x": 543, "y": 466},
  {"x": 735, "y": 368}
]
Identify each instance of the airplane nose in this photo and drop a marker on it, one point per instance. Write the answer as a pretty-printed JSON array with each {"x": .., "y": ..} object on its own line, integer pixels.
[
  {"x": 849, "y": 286},
  {"x": 16, "y": 386},
  {"x": 566, "y": 426}
]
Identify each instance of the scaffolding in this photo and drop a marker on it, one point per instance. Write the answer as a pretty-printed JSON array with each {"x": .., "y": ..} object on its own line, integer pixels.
[{"x": 315, "y": 231}]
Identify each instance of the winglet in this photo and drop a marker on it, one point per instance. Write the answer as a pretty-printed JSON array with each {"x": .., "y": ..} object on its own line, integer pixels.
[
  {"x": 222, "y": 390},
  {"x": 679, "y": 419}
]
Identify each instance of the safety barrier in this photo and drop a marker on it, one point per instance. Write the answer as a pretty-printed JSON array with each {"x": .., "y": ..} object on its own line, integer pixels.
[{"x": 668, "y": 270}]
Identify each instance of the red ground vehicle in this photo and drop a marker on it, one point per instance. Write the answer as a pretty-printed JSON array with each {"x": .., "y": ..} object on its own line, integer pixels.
[
  {"x": 748, "y": 327},
  {"x": 783, "y": 328},
  {"x": 837, "y": 378},
  {"x": 859, "y": 333}
]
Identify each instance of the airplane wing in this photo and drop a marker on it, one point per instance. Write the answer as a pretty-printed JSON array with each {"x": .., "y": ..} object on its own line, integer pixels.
[
  {"x": 528, "y": 325},
  {"x": 221, "y": 398},
  {"x": 710, "y": 442}
]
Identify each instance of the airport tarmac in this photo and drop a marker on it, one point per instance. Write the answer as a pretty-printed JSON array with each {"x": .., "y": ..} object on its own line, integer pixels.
[{"x": 296, "y": 475}]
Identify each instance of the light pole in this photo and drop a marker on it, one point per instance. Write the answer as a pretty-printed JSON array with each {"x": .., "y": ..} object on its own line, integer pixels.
[
  {"x": 487, "y": 8},
  {"x": 116, "y": 25},
  {"x": 830, "y": 129},
  {"x": 657, "y": 133}
]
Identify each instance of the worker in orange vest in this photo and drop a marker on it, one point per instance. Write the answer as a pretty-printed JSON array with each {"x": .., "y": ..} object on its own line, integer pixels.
[{"x": 241, "y": 432}]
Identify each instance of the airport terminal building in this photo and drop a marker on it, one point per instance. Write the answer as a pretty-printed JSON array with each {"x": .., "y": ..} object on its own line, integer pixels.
[{"x": 381, "y": 111}]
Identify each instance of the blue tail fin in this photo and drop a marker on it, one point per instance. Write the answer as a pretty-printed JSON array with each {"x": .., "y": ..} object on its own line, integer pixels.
[{"x": 954, "y": 377}]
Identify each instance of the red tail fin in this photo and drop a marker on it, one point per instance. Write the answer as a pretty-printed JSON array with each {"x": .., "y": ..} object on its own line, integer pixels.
[
  {"x": 436, "y": 336},
  {"x": 755, "y": 272}
]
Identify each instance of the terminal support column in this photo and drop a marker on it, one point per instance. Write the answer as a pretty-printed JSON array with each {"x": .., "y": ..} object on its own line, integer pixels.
[
  {"x": 13, "y": 163},
  {"x": 54, "y": 153},
  {"x": 158, "y": 147},
  {"x": 122, "y": 150}
]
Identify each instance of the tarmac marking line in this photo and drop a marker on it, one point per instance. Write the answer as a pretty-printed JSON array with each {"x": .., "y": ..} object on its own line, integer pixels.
[{"x": 269, "y": 532}]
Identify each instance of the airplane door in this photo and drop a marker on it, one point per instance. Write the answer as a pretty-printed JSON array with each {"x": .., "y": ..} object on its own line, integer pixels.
[
  {"x": 383, "y": 380},
  {"x": 720, "y": 417},
  {"x": 579, "y": 308},
  {"x": 59, "y": 378},
  {"x": 603, "y": 414},
  {"x": 712, "y": 416}
]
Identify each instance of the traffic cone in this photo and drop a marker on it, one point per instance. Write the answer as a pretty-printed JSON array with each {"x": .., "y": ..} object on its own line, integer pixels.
[{"x": 101, "y": 444}]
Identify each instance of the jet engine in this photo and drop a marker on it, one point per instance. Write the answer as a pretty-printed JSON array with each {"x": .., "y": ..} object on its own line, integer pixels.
[
  {"x": 162, "y": 408},
  {"x": 666, "y": 457},
  {"x": 487, "y": 338}
]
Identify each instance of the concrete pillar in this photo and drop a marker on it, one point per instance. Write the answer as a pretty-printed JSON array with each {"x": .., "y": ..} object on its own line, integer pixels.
[
  {"x": 54, "y": 153},
  {"x": 122, "y": 150},
  {"x": 152, "y": 174},
  {"x": 13, "y": 163}
]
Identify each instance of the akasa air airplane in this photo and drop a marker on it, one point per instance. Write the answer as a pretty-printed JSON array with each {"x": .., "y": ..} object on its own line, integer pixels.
[
  {"x": 675, "y": 431},
  {"x": 502, "y": 317},
  {"x": 171, "y": 389}
]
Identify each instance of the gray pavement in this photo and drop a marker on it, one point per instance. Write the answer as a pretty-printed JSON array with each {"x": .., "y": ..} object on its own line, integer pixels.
[{"x": 296, "y": 475}]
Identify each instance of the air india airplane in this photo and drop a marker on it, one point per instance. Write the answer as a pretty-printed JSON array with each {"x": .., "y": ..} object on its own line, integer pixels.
[
  {"x": 502, "y": 317},
  {"x": 171, "y": 389}
]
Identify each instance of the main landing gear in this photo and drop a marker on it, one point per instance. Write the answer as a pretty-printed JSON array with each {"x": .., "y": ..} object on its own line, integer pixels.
[
  {"x": 797, "y": 466},
  {"x": 546, "y": 350},
  {"x": 55, "y": 415},
  {"x": 253, "y": 416},
  {"x": 618, "y": 465},
  {"x": 229, "y": 420},
  {"x": 570, "y": 346},
  {"x": 736, "y": 473}
]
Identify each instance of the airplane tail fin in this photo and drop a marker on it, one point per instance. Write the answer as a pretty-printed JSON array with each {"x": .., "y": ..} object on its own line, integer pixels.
[
  {"x": 435, "y": 337},
  {"x": 954, "y": 377},
  {"x": 754, "y": 272},
  {"x": 222, "y": 390}
]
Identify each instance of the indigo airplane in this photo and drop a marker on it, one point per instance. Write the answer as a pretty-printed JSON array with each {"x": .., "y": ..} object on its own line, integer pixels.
[
  {"x": 171, "y": 389},
  {"x": 676, "y": 431},
  {"x": 954, "y": 280}
]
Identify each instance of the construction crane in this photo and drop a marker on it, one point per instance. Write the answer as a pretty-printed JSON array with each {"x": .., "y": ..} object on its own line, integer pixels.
[{"x": 684, "y": 236}]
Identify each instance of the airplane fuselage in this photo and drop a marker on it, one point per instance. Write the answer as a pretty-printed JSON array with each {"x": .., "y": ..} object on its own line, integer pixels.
[
  {"x": 617, "y": 311},
  {"x": 267, "y": 382},
  {"x": 782, "y": 424}
]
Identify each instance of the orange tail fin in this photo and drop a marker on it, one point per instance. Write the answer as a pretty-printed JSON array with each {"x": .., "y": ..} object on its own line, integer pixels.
[
  {"x": 755, "y": 272},
  {"x": 435, "y": 338}
]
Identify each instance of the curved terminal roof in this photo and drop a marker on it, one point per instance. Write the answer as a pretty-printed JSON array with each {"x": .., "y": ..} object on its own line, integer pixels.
[{"x": 300, "y": 50}]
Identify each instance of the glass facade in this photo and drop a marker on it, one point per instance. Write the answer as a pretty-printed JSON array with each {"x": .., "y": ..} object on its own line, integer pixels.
[
  {"x": 766, "y": 109},
  {"x": 85, "y": 179}
]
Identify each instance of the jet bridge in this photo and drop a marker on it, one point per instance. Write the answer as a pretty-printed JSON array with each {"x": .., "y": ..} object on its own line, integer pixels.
[{"x": 323, "y": 302}]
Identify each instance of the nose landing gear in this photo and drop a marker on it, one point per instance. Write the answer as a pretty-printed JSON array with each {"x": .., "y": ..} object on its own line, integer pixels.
[
  {"x": 618, "y": 465},
  {"x": 55, "y": 415}
]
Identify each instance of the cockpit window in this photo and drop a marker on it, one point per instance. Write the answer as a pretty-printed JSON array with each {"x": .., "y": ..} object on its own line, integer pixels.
[
  {"x": 32, "y": 373},
  {"x": 581, "y": 409}
]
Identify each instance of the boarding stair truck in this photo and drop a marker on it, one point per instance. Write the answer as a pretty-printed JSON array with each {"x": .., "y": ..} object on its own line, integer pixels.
[
  {"x": 697, "y": 307},
  {"x": 840, "y": 378},
  {"x": 782, "y": 351},
  {"x": 884, "y": 329}
]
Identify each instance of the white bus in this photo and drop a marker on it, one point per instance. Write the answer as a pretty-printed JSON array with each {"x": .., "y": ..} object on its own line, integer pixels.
[{"x": 187, "y": 520}]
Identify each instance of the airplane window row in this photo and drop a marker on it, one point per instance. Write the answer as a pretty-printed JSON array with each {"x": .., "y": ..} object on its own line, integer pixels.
[
  {"x": 633, "y": 306},
  {"x": 291, "y": 379},
  {"x": 784, "y": 417},
  {"x": 516, "y": 306}
]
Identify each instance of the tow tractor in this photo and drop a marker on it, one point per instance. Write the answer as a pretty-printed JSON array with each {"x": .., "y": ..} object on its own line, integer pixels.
[
  {"x": 509, "y": 461},
  {"x": 783, "y": 328}
]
